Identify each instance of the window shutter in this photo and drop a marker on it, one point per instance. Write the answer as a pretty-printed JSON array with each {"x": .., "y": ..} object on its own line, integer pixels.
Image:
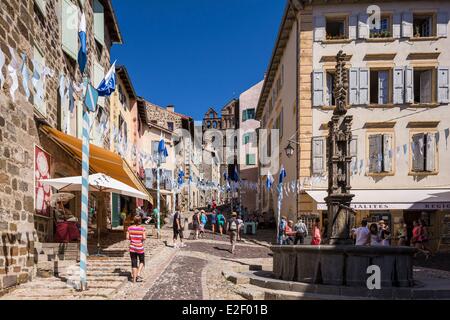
[
  {"x": 363, "y": 28},
  {"x": 409, "y": 85},
  {"x": 244, "y": 115},
  {"x": 330, "y": 88},
  {"x": 431, "y": 152},
  {"x": 99, "y": 22},
  {"x": 250, "y": 161},
  {"x": 418, "y": 164},
  {"x": 318, "y": 88},
  {"x": 425, "y": 86},
  {"x": 354, "y": 147},
  {"x": 443, "y": 85},
  {"x": 149, "y": 178},
  {"x": 364, "y": 86},
  {"x": 318, "y": 155},
  {"x": 407, "y": 24},
  {"x": 320, "y": 23},
  {"x": 354, "y": 85},
  {"x": 399, "y": 85},
  {"x": 387, "y": 153},
  {"x": 442, "y": 24},
  {"x": 39, "y": 99},
  {"x": 383, "y": 87},
  {"x": 155, "y": 149},
  {"x": 69, "y": 28},
  {"x": 352, "y": 26},
  {"x": 375, "y": 153},
  {"x": 99, "y": 74},
  {"x": 41, "y": 6},
  {"x": 397, "y": 25}
]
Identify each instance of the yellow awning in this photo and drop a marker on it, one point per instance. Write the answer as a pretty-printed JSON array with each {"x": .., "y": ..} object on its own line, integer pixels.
[{"x": 100, "y": 160}]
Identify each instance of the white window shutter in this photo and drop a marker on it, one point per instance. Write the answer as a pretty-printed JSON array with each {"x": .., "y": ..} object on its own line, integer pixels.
[
  {"x": 409, "y": 85},
  {"x": 320, "y": 23},
  {"x": 375, "y": 153},
  {"x": 383, "y": 87},
  {"x": 407, "y": 24},
  {"x": 330, "y": 87},
  {"x": 364, "y": 86},
  {"x": 354, "y": 86},
  {"x": 363, "y": 28},
  {"x": 443, "y": 85},
  {"x": 397, "y": 25},
  {"x": 418, "y": 141},
  {"x": 318, "y": 150},
  {"x": 399, "y": 85},
  {"x": 442, "y": 24},
  {"x": 387, "y": 153},
  {"x": 425, "y": 86},
  {"x": 39, "y": 95},
  {"x": 352, "y": 26},
  {"x": 318, "y": 88},
  {"x": 69, "y": 28},
  {"x": 431, "y": 152},
  {"x": 99, "y": 22}
]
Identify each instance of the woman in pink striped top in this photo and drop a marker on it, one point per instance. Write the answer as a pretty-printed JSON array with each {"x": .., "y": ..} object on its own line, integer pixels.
[{"x": 137, "y": 234}]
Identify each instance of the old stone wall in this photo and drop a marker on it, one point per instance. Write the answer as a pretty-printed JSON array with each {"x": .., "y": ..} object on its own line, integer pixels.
[{"x": 23, "y": 27}]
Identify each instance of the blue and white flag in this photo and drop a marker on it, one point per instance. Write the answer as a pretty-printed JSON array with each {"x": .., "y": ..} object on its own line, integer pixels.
[
  {"x": 269, "y": 181},
  {"x": 2, "y": 63},
  {"x": 236, "y": 177},
  {"x": 162, "y": 150},
  {"x": 180, "y": 177},
  {"x": 91, "y": 98},
  {"x": 82, "y": 54},
  {"x": 108, "y": 84},
  {"x": 282, "y": 175},
  {"x": 225, "y": 175}
]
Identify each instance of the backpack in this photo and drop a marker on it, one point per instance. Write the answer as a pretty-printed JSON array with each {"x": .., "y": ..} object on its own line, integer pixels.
[{"x": 233, "y": 225}]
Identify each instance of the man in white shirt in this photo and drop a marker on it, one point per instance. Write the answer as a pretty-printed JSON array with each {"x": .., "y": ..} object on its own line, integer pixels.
[{"x": 362, "y": 234}]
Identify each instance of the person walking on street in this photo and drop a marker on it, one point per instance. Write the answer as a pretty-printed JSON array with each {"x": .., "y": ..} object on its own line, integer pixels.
[
  {"x": 282, "y": 230},
  {"x": 301, "y": 231},
  {"x": 196, "y": 224},
  {"x": 417, "y": 239},
  {"x": 203, "y": 221},
  {"x": 233, "y": 231},
  {"x": 213, "y": 221},
  {"x": 317, "y": 237},
  {"x": 177, "y": 229},
  {"x": 362, "y": 234},
  {"x": 385, "y": 234},
  {"x": 137, "y": 234},
  {"x": 289, "y": 233},
  {"x": 240, "y": 228},
  {"x": 402, "y": 234},
  {"x": 375, "y": 240},
  {"x": 221, "y": 222}
]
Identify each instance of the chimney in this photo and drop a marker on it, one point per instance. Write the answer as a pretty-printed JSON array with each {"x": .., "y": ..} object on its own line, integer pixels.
[{"x": 170, "y": 108}]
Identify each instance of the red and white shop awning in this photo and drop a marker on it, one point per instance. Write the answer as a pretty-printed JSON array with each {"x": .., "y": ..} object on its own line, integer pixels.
[{"x": 396, "y": 199}]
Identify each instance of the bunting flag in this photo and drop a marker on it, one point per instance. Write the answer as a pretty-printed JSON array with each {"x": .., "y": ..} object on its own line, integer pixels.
[
  {"x": 25, "y": 75},
  {"x": 2, "y": 63},
  {"x": 447, "y": 134},
  {"x": 108, "y": 85},
  {"x": 82, "y": 54},
  {"x": 12, "y": 70},
  {"x": 91, "y": 98},
  {"x": 71, "y": 97},
  {"x": 269, "y": 181}
]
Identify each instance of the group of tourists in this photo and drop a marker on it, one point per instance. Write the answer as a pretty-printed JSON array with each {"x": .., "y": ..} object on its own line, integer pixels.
[{"x": 290, "y": 234}]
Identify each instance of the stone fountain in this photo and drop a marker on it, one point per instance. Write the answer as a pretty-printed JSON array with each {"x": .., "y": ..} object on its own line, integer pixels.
[{"x": 340, "y": 263}]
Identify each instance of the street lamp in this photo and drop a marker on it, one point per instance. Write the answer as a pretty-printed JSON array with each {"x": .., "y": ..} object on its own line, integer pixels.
[{"x": 289, "y": 150}]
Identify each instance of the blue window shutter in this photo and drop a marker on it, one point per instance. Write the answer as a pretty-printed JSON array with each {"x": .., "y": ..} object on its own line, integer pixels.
[
  {"x": 443, "y": 85},
  {"x": 69, "y": 28},
  {"x": 363, "y": 28},
  {"x": 320, "y": 23},
  {"x": 399, "y": 85},
  {"x": 352, "y": 26},
  {"x": 383, "y": 87},
  {"x": 442, "y": 24},
  {"x": 407, "y": 24},
  {"x": 318, "y": 88},
  {"x": 99, "y": 22},
  {"x": 409, "y": 85},
  {"x": 364, "y": 86},
  {"x": 397, "y": 26},
  {"x": 354, "y": 86}
]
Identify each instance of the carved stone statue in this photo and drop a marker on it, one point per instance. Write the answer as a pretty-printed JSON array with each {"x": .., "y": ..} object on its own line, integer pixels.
[{"x": 340, "y": 215}]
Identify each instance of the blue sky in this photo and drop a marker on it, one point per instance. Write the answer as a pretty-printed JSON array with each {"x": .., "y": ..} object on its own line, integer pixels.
[{"x": 195, "y": 54}]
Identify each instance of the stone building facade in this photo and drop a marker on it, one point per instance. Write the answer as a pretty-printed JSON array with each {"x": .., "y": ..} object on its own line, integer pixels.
[{"x": 44, "y": 31}]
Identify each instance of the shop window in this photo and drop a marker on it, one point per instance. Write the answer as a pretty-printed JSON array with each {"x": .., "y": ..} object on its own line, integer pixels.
[
  {"x": 424, "y": 152},
  {"x": 423, "y": 25},
  {"x": 336, "y": 28},
  {"x": 423, "y": 86},
  {"x": 379, "y": 86},
  {"x": 380, "y": 153},
  {"x": 384, "y": 31}
]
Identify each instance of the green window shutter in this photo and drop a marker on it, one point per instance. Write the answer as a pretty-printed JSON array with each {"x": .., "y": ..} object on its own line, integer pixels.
[
  {"x": 39, "y": 101},
  {"x": 41, "y": 6},
  {"x": 250, "y": 160},
  {"x": 99, "y": 74},
  {"x": 69, "y": 28},
  {"x": 99, "y": 22},
  {"x": 246, "y": 138},
  {"x": 244, "y": 115}
]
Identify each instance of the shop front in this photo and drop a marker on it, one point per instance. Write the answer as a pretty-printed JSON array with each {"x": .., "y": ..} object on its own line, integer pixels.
[{"x": 395, "y": 207}]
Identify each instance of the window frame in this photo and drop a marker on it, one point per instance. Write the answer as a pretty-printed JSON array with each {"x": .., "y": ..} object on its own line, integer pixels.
[
  {"x": 390, "y": 28},
  {"x": 434, "y": 80},
  {"x": 345, "y": 19},
  {"x": 433, "y": 22},
  {"x": 382, "y": 132},
  {"x": 390, "y": 86}
]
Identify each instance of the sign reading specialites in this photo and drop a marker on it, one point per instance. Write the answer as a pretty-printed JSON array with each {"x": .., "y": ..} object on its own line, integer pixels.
[
  {"x": 433, "y": 206},
  {"x": 42, "y": 193}
]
